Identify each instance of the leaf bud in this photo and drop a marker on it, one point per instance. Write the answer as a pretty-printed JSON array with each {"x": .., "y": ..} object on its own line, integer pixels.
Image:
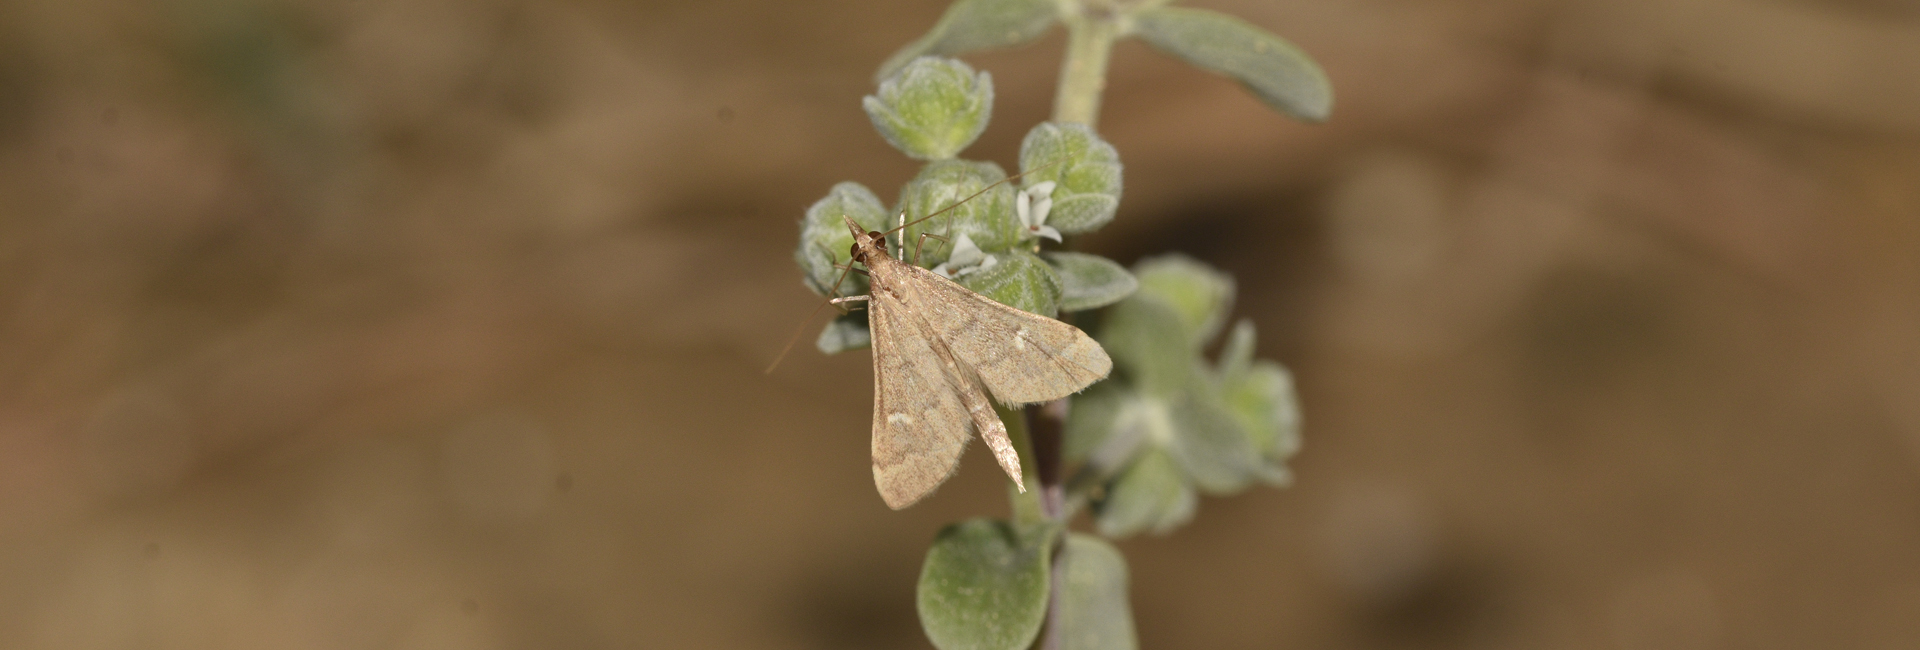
[{"x": 932, "y": 108}]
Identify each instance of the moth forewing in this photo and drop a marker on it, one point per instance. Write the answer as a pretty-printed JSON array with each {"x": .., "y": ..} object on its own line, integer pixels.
[
  {"x": 920, "y": 424},
  {"x": 938, "y": 348},
  {"x": 1022, "y": 357}
]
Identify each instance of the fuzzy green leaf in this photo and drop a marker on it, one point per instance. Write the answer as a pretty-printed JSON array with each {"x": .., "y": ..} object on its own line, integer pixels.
[
  {"x": 1263, "y": 400},
  {"x": 1019, "y": 280},
  {"x": 1089, "y": 281},
  {"x": 1211, "y": 446},
  {"x": 825, "y": 241},
  {"x": 971, "y": 25},
  {"x": 1094, "y": 613},
  {"x": 933, "y": 108},
  {"x": 1086, "y": 169},
  {"x": 1148, "y": 340},
  {"x": 1200, "y": 295},
  {"x": 984, "y": 585},
  {"x": 988, "y": 219},
  {"x": 848, "y": 332},
  {"x": 1261, "y": 397},
  {"x": 1237, "y": 353},
  {"x": 1093, "y": 416},
  {"x": 1281, "y": 75},
  {"x": 1150, "y": 495}
]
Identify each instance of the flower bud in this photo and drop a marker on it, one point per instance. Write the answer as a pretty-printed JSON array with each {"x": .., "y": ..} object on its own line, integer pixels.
[
  {"x": 825, "y": 241},
  {"x": 1085, "y": 168},
  {"x": 1019, "y": 280},
  {"x": 932, "y": 108},
  {"x": 987, "y": 219},
  {"x": 1200, "y": 295}
]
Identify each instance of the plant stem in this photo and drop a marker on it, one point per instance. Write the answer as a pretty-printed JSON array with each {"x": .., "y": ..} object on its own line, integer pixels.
[
  {"x": 1083, "y": 76},
  {"x": 1029, "y": 507},
  {"x": 1091, "y": 31},
  {"x": 1045, "y": 429},
  {"x": 1046, "y": 424}
]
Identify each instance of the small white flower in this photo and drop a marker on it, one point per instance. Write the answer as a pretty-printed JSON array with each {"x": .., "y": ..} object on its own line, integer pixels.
[
  {"x": 1033, "y": 204},
  {"x": 966, "y": 258}
]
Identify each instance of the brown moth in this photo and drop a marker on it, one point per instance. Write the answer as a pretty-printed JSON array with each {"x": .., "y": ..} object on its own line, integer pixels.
[{"x": 938, "y": 350}]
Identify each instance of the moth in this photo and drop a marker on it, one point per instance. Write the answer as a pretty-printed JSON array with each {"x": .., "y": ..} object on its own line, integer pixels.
[{"x": 939, "y": 350}]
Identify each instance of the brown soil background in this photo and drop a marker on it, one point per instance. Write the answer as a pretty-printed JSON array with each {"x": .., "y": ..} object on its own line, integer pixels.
[{"x": 439, "y": 324}]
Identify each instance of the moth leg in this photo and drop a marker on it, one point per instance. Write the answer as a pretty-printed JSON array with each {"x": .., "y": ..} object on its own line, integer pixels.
[
  {"x": 922, "y": 243},
  {"x": 836, "y": 302},
  {"x": 900, "y": 242}
]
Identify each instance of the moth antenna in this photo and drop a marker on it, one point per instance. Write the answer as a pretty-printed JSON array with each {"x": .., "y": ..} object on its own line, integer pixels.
[
  {"x": 795, "y": 339},
  {"x": 832, "y": 292},
  {"x": 972, "y": 196}
]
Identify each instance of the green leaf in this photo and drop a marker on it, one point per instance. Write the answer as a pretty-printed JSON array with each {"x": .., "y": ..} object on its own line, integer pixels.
[
  {"x": 988, "y": 218},
  {"x": 1210, "y": 445},
  {"x": 984, "y": 585},
  {"x": 825, "y": 241},
  {"x": 1019, "y": 280},
  {"x": 1237, "y": 352},
  {"x": 1092, "y": 417},
  {"x": 848, "y": 332},
  {"x": 1149, "y": 342},
  {"x": 1272, "y": 68},
  {"x": 1087, "y": 171},
  {"x": 1150, "y": 495},
  {"x": 1089, "y": 281},
  {"x": 1261, "y": 397},
  {"x": 933, "y": 108},
  {"x": 971, "y": 25},
  {"x": 1198, "y": 293},
  {"x": 1093, "y": 612},
  {"x": 1263, "y": 400}
]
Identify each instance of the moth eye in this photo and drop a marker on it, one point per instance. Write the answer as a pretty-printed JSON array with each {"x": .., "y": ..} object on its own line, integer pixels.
[
  {"x": 875, "y": 234},
  {"x": 853, "y": 252}
]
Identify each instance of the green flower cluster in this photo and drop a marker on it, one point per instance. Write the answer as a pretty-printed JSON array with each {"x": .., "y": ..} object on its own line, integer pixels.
[
  {"x": 988, "y": 235},
  {"x": 1170, "y": 424}
]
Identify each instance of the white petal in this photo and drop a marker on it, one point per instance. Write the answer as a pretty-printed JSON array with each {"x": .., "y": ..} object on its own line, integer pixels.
[
  {"x": 982, "y": 266},
  {"x": 1041, "y": 208},
  {"x": 965, "y": 252},
  {"x": 1048, "y": 232},
  {"x": 1042, "y": 189}
]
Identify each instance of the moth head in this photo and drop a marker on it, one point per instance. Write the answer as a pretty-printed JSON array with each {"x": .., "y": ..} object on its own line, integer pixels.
[{"x": 863, "y": 240}]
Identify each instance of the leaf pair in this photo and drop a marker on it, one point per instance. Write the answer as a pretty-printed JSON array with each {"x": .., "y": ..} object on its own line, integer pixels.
[
  {"x": 1274, "y": 70},
  {"x": 985, "y": 583}
]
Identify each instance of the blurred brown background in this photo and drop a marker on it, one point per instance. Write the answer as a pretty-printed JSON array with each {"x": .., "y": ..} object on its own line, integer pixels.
[{"x": 439, "y": 324}]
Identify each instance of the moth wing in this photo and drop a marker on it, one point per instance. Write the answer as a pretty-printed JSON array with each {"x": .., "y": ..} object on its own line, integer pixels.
[
  {"x": 920, "y": 424},
  {"x": 1021, "y": 357}
]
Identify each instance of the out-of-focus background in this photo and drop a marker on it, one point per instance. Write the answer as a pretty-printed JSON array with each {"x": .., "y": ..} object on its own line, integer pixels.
[{"x": 440, "y": 324}]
